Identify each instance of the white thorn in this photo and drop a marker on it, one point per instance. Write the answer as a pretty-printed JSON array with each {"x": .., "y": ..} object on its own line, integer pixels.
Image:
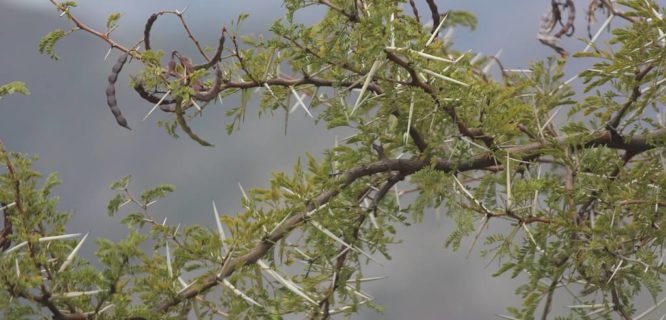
[{"x": 73, "y": 254}]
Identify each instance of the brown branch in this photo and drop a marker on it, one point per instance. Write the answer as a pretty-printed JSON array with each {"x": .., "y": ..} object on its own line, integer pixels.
[
  {"x": 13, "y": 176},
  {"x": 104, "y": 36},
  {"x": 435, "y": 15},
  {"x": 344, "y": 250},
  {"x": 218, "y": 53},
  {"x": 7, "y": 229},
  {"x": 635, "y": 94},
  {"x": 350, "y": 16},
  {"x": 473, "y": 133},
  {"x": 615, "y": 12},
  {"x": 404, "y": 167},
  {"x": 191, "y": 36},
  {"x": 549, "y": 298},
  {"x": 617, "y": 305},
  {"x": 415, "y": 11},
  {"x": 241, "y": 60},
  {"x": 587, "y": 206}
]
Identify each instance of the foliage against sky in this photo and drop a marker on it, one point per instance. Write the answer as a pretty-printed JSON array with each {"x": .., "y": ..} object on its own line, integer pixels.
[{"x": 583, "y": 199}]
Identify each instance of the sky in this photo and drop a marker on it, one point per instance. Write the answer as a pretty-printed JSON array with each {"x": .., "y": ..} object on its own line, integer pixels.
[{"x": 65, "y": 121}]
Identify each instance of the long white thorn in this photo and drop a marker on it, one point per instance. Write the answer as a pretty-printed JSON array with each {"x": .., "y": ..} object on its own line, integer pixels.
[
  {"x": 490, "y": 64},
  {"x": 366, "y": 279},
  {"x": 300, "y": 102},
  {"x": 286, "y": 282},
  {"x": 650, "y": 309},
  {"x": 619, "y": 264},
  {"x": 16, "y": 247},
  {"x": 220, "y": 230},
  {"x": 434, "y": 34},
  {"x": 61, "y": 237},
  {"x": 596, "y": 35},
  {"x": 168, "y": 260},
  {"x": 73, "y": 254},
  {"x": 368, "y": 79},
  {"x": 240, "y": 293},
  {"x": 552, "y": 116},
  {"x": 431, "y": 57},
  {"x": 337, "y": 239},
  {"x": 156, "y": 105},
  {"x": 75, "y": 294},
  {"x": 508, "y": 181},
  {"x": 409, "y": 120},
  {"x": 243, "y": 191},
  {"x": 8, "y": 206},
  {"x": 445, "y": 78}
]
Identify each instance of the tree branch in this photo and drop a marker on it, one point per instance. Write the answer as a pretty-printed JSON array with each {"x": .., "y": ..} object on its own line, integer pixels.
[{"x": 405, "y": 167}]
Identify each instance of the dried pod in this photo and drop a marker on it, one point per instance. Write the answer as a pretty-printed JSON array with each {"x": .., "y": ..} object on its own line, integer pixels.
[
  {"x": 146, "y": 30},
  {"x": 111, "y": 91},
  {"x": 180, "y": 118}
]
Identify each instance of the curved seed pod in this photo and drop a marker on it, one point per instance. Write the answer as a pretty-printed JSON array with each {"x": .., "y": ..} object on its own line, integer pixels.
[
  {"x": 146, "y": 30},
  {"x": 171, "y": 70},
  {"x": 111, "y": 91},
  {"x": 180, "y": 117},
  {"x": 164, "y": 106},
  {"x": 184, "y": 61},
  {"x": 188, "y": 66},
  {"x": 214, "y": 91},
  {"x": 217, "y": 56}
]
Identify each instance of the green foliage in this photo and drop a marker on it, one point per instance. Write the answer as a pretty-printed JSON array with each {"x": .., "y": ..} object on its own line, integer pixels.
[
  {"x": 158, "y": 192},
  {"x": 13, "y": 87},
  {"x": 576, "y": 197},
  {"x": 121, "y": 184},
  {"x": 112, "y": 20},
  {"x": 48, "y": 42}
]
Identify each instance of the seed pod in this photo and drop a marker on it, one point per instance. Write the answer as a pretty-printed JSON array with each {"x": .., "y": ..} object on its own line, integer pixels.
[
  {"x": 111, "y": 91},
  {"x": 180, "y": 118}
]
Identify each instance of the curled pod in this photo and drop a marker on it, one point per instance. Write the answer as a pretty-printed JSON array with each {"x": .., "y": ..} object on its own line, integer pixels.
[
  {"x": 166, "y": 104},
  {"x": 111, "y": 91},
  {"x": 147, "y": 28},
  {"x": 180, "y": 118},
  {"x": 214, "y": 90}
]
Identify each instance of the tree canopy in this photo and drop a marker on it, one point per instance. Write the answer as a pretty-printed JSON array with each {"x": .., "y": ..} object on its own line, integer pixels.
[{"x": 575, "y": 177}]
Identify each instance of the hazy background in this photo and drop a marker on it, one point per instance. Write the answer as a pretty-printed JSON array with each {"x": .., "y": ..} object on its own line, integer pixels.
[{"x": 67, "y": 124}]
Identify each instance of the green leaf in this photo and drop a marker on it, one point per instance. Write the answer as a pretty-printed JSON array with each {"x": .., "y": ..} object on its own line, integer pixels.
[
  {"x": 48, "y": 42},
  {"x": 14, "y": 86},
  {"x": 114, "y": 204},
  {"x": 134, "y": 218},
  {"x": 158, "y": 192},
  {"x": 121, "y": 184},
  {"x": 51, "y": 181},
  {"x": 112, "y": 20}
]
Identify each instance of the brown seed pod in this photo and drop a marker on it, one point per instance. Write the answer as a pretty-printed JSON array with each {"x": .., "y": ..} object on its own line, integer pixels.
[
  {"x": 111, "y": 91},
  {"x": 180, "y": 118}
]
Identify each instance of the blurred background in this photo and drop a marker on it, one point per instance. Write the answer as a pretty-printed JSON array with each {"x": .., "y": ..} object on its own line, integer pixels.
[{"x": 66, "y": 122}]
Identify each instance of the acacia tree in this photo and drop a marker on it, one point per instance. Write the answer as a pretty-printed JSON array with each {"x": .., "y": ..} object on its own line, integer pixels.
[{"x": 582, "y": 196}]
